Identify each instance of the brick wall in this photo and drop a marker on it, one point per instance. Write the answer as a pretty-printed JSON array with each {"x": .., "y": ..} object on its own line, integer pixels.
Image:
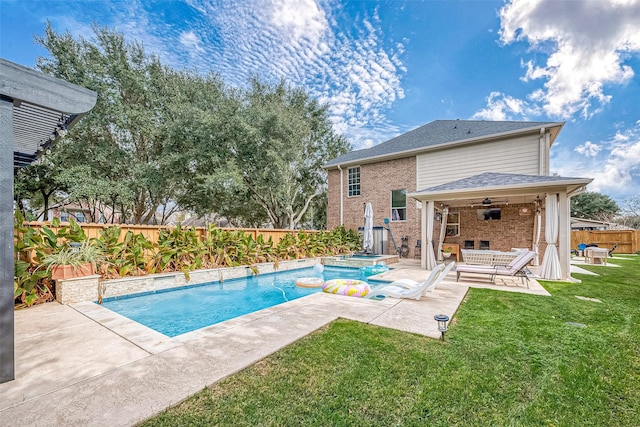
[
  {"x": 376, "y": 182},
  {"x": 512, "y": 230}
]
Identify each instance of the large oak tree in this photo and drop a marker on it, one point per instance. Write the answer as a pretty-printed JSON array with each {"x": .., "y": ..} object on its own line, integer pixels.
[{"x": 159, "y": 140}]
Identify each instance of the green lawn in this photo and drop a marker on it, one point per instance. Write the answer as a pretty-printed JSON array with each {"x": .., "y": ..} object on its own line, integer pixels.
[{"x": 509, "y": 360}]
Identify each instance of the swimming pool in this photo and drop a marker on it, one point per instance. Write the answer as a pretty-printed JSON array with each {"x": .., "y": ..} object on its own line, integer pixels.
[{"x": 177, "y": 311}]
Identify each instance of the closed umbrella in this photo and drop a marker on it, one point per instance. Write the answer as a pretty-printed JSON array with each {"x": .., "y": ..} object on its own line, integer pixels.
[{"x": 367, "y": 242}]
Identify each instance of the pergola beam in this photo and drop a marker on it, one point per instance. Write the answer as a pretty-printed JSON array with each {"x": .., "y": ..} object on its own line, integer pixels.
[
  {"x": 7, "y": 361},
  {"x": 33, "y": 108}
]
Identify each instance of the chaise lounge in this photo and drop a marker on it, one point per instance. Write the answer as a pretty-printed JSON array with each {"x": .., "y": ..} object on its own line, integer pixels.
[
  {"x": 406, "y": 288},
  {"x": 516, "y": 268}
]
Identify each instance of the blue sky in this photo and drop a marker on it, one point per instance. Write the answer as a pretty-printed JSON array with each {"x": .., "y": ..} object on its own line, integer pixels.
[{"x": 388, "y": 67}]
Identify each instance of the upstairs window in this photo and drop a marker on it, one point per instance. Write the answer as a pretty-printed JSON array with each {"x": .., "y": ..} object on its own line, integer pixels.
[
  {"x": 80, "y": 217},
  {"x": 399, "y": 205},
  {"x": 354, "y": 181}
]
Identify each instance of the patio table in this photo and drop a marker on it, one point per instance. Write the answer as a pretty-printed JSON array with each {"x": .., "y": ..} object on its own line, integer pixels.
[{"x": 596, "y": 255}]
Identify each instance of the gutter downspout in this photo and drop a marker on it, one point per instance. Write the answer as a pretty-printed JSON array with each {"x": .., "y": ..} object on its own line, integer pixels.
[
  {"x": 341, "y": 196},
  {"x": 547, "y": 150},
  {"x": 541, "y": 147}
]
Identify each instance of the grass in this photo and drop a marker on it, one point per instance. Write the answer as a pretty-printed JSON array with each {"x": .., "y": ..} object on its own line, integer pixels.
[{"x": 510, "y": 359}]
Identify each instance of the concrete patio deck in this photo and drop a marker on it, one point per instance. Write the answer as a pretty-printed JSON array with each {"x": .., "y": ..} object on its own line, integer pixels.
[{"x": 83, "y": 365}]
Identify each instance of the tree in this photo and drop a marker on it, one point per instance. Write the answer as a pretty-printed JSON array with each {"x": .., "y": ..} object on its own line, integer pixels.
[
  {"x": 631, "y": 213},
  {"x": 123, "y": 141},
  {"x": 284, "y": 140},
  {"x": 159, "y": 140},
  {"x": 592, "y": 205},
  {"x": 38, "y": 184}
]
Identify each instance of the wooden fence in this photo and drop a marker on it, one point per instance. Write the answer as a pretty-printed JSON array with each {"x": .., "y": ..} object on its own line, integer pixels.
[
  {"x": 151, "y": 232},
  {"x": 628, "y": 241}
]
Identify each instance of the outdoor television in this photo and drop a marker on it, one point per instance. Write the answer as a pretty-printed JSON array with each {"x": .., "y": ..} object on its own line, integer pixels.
[{"x": 491, "y": 213}]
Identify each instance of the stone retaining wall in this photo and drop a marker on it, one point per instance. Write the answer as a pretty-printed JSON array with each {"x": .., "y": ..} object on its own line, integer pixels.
[{"x": 87, "y": 288}]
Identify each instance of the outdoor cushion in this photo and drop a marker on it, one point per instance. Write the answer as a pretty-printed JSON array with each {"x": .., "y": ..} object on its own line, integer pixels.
[{"x": 516, "y": 267}]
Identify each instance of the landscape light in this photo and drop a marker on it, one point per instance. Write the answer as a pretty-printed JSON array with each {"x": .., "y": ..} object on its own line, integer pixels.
[{"x": 442, "y": 320}]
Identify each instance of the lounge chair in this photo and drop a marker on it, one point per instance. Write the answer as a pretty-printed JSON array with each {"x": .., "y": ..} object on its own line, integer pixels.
[
  {"x": 516, "y": 268},
  {"x": 405, "y": 288},
  {"x": 412, "y": 284}
]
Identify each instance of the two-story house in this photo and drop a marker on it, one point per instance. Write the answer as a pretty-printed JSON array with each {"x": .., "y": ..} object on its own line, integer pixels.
[{"x": 461, "y": 184}]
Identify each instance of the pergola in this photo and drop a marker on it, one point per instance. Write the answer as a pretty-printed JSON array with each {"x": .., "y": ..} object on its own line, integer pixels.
[
  {"x": 35, "y": 109},
  {"x": 553, "y": 192}
]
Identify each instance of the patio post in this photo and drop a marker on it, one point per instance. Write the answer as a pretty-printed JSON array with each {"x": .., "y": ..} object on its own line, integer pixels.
[
  {"x": 564, "y": 235},
  {"x": 7, "y": 354},
  {"x": 430, "y": 257}
]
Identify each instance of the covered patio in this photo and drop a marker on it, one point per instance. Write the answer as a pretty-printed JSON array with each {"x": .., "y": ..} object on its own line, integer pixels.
[{"x": 501, "y": 211}]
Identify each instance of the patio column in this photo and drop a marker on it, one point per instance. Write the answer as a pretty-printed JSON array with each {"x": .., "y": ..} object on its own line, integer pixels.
[
  {"x": 428, "y": 260},
  {"x": 537, "y": 225},
  {"x": 564, "y": 235},
  {"x": 7, "y": 356}
]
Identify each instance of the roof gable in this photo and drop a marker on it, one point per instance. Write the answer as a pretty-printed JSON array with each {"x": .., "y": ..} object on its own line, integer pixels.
[{"x": 438, "y": 133}]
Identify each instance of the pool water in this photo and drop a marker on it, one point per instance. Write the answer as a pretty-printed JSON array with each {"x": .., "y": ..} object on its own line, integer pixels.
[{"x": 175, "y": 312}]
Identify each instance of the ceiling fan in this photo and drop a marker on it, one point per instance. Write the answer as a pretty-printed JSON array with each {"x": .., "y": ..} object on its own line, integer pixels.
[{"x": 487, "y": 202}]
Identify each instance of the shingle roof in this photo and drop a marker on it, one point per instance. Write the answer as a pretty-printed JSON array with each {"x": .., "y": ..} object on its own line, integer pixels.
[
  {"x": 437, "y": 133},
  {"x": 492, "y": 179}
]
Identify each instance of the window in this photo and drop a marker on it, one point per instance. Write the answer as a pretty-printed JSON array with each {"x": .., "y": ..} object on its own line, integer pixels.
[
  {"x": 453, "y": 224},
  {"x": 354, "y": 181},
  {"x": 398, "y": 205},
  {"x": 64, "y": 216},
  {"x": 80, "y": 217}
]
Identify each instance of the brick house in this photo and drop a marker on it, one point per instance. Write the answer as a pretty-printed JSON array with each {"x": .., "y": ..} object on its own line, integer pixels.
[{"x": 487, "y": 182}]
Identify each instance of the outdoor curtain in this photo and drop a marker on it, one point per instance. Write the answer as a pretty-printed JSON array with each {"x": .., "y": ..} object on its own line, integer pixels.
[
  {"x": 537, "y": 225},
  {"x": 443, "y": 230},
  {"x": 551, "y": 261},
  {"x": 431, "y": 257}
]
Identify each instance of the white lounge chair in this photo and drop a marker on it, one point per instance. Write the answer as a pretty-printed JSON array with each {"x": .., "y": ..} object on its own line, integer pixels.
[
  {"x": 405, "y": 288},
  {"x": 412, "y": 284},
  {"x": 516, "y": 268}
]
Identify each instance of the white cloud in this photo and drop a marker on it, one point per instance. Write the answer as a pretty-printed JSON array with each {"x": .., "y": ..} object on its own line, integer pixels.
[
  {"x": 587, "y": 43},
  {"x": 503, "y": 107},
  {"x": 190, "y": 40},
  {"x": 588, "y": 149},
  {"x": 614, "y": 164},
  {"x": 338, "y": 60}
]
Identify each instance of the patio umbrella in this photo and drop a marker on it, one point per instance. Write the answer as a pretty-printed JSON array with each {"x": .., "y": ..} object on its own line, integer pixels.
[
  {"x": 367, "y": 242},
  {"x": 551, "y": 261}
]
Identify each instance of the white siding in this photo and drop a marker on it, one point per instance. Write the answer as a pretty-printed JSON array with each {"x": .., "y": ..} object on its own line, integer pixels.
[{"x": 519, "y": 156}]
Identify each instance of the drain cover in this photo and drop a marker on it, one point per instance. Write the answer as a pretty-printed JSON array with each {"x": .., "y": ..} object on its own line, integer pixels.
[
  {"x": 588, "y": 299},
  {"x": 577, "y": 325}
]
